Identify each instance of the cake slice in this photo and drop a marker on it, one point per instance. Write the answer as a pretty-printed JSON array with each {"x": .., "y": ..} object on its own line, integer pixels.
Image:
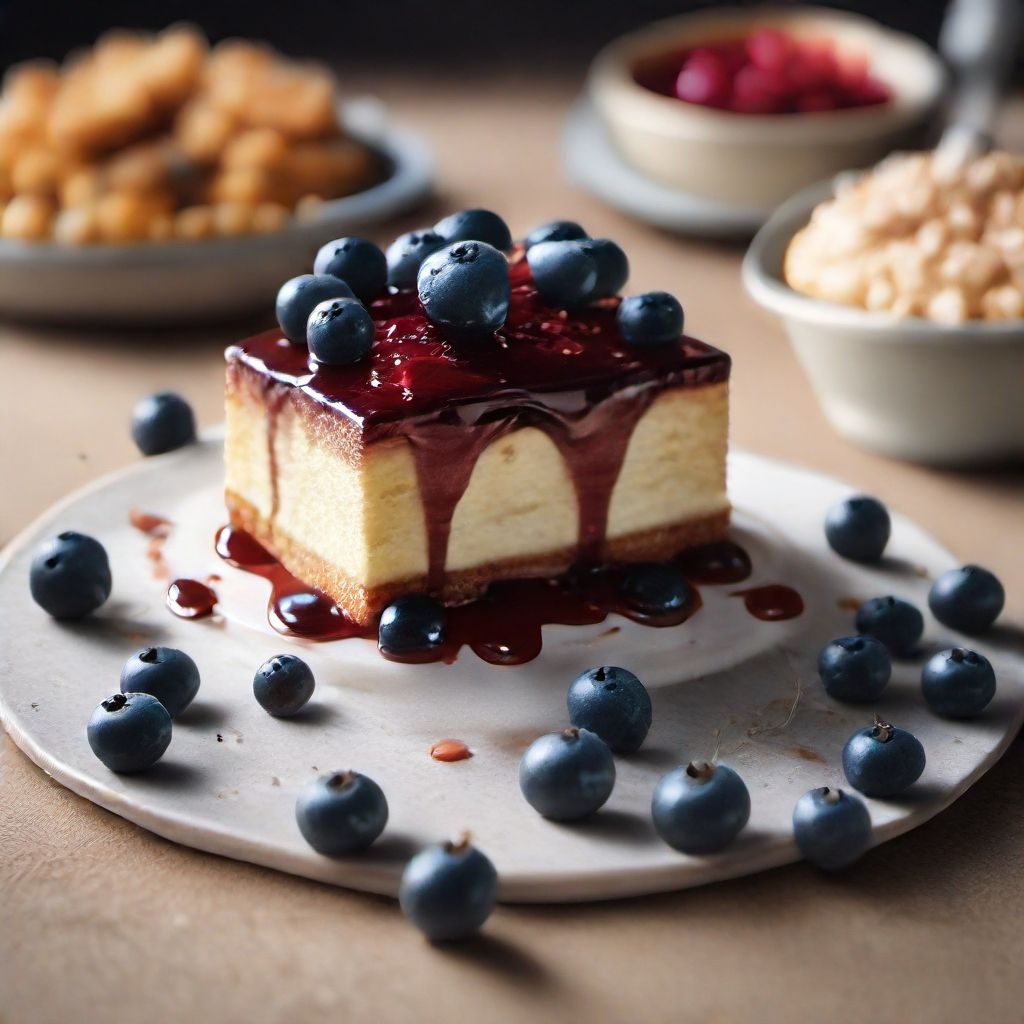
[{"x": 441, "y": 463}]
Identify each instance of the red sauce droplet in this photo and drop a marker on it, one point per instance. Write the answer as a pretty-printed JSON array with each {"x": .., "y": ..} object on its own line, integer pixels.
[
  {"x": 191, "y": 599},
  {"x": 772, "y": 602},
  {"x": 450, "y": 750},
  {"x": 149, "y": 523}
]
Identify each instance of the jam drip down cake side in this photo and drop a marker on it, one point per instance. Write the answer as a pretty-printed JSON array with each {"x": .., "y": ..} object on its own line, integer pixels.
[{"x": 442, "y": 463}]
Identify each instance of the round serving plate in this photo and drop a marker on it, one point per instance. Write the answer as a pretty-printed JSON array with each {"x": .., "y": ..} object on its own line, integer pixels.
[
  {"x": 162, "y": 283},
  {"x": 229, "y": 780}
]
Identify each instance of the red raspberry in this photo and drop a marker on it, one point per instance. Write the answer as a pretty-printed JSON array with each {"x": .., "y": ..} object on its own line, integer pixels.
[
  {"x": 704, "y": 80},
  {"x": 770, "y": 49},
  {"x": 758, "y": 92}
]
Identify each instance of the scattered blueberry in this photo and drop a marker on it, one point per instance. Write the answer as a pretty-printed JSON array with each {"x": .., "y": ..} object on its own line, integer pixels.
[
  {"x": 858, "y": 528},
  {"x": 340, "y": 332},
  {"x": 465, "y": 288},
  {"x": 449, "y": 891},
  {"x": 567, "y": 775},
  {"x": 413, "y": 624},
  {"x": 298, "y": 297},
  {"x": 283, "y": 685},
  {"x": 894, "y": 622},
  {"x": 654, "y": 318},
  {"x": 341, "y": 813},
  {"x": 612, "y": 703},
  {"x": 700, "y": 808},
  {"x": 612, "y": 267},
  {"x": 407, "y": 252},
  {"x": 358, "y": 262},
  {"x": 554, "y": 231},
  {"x": 958, "y": 683},
  {"x": 654, "y": 588},
  {"x": 855, "y": 668},
  {"x": 165, "y": 673},
  {"x": 475, "y": 226},
  {"x": 968, "y": 599},
  {"x": 70, "y": 575},
  {"x": 883, "y": 761},
  {"x": 832, "y": 828},
  {"x": 564, "y": 272},
  {"x": 162, "y": 422},
  {"x": 129, "y": 732}
]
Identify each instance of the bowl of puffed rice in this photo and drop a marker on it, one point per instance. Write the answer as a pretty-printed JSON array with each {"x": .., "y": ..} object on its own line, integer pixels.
[{"x": 901, "y": 289}]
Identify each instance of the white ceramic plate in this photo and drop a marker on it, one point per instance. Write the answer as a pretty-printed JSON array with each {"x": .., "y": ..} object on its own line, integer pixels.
[
  {"x": 229, "y": 780},
  {"x": 177, "y": 282}
]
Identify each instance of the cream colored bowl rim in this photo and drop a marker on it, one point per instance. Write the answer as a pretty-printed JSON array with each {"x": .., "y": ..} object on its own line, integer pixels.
[
  {"x": 763, "y": 280},
  {"x": 611, "y": 77}
]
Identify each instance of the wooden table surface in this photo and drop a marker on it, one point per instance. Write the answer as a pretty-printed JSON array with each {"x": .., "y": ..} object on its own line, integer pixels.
[{"x": 101, "y": 921}]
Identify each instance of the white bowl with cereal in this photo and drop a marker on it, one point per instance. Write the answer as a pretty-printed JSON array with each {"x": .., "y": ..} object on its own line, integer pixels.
[{"x": 902, "y": 292}]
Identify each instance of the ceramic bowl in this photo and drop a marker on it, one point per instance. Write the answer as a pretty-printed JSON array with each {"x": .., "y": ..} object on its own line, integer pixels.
[
  {"x": 909, "y": 388},
  {"x": 759, "y": 160}
]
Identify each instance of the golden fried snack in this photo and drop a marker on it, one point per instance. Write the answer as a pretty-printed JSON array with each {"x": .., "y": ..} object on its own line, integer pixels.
[
  {"x": 194, "y": 222},
  {"x": 28, "y": 217}
]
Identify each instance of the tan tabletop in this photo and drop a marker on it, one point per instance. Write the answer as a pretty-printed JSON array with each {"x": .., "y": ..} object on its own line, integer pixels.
[{"x": 101, "y": 921}]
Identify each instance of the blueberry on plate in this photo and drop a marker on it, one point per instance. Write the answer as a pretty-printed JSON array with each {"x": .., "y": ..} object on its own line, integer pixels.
[
  {"x": 448, "y": 891},
  {"x": 832, "y": 829},
  {"x": 165, "y": 673},
  {"x": 340, "y": 813},
  {"x": 894, "y": 622},
  {"x": 958, "y": 683},
  {"x": 411, "y": 625},
  {"x": 855, "y": 668},
  {"x": 406, "y": 254},
  {"x": 70, "y": 575},
  {"x": 162, "y": 423},
  {"x": 612, "y": 703},
  {"x": 654, "y": 588},
  {"x": 567, "y": 775},
  {"x": 565, "y": 273},
  {"x": 358, "y": 262},
  {"x": 283, "y": 685},
  {"x": 700, "y": 808},
  {"x": 129, "y": 732},
  {"x": 340, "y": 332},
  {"x": 883, "y": 761},
  {"x": 475, "y": 226},
  {"x": 612, "y": 267},
  {"x": 297, "y": 298},
  {"x": 465, "y": 288},
  {"x": 554, "y": 231},
  {"x": 858, "y": 528},
  {"x": 654, "y": 318},
  {"x": 968, "y": 599}
]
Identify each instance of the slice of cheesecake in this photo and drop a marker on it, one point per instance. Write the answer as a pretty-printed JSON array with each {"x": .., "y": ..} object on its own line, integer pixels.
[{"x": 441, "y": 464}]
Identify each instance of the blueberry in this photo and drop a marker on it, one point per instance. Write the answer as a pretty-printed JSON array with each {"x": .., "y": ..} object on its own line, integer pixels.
[
  {"x": 407, "y": 252},
  {"x": 612, "y": 703},
  {"x": 858, "y": 528},
  {"x": 567, "y": 775},
  {"x": 654, "y": 588},
  {"x": 958, "y": 683},
  {"x": 475, "y": 226},
  {"x": 832, "y": 829},
  {"x": 162, "y": 422},
  {"x": 654, "y": 318},
  {"x": 554, "y": 231},
  {"x": 169, "y": 675},
  {"x": 564, "y": 273},
  {"x": 855, "y": 668},
  {"x": 894, "y": 622},
  {"x": 700, "y": 808},
  {"x": 413, "y": 624},
  {"x": 297, "y": 298},
  {"x": 358, "y": 262},
  {"x": 70, "y": 575},
  {"x": 449, "y": 891},
  {"x": 465, "y": 288},
  {"x": 129, "y": 732},
  {"x": 968, "y": 599},
  {"x": 340, "y": 332},
  {"x": 883, "y": 761},
  {"x": 341, "y": 813},
  {"x": 612, "y": 267},
  {"x": 283, "y": 685}
]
